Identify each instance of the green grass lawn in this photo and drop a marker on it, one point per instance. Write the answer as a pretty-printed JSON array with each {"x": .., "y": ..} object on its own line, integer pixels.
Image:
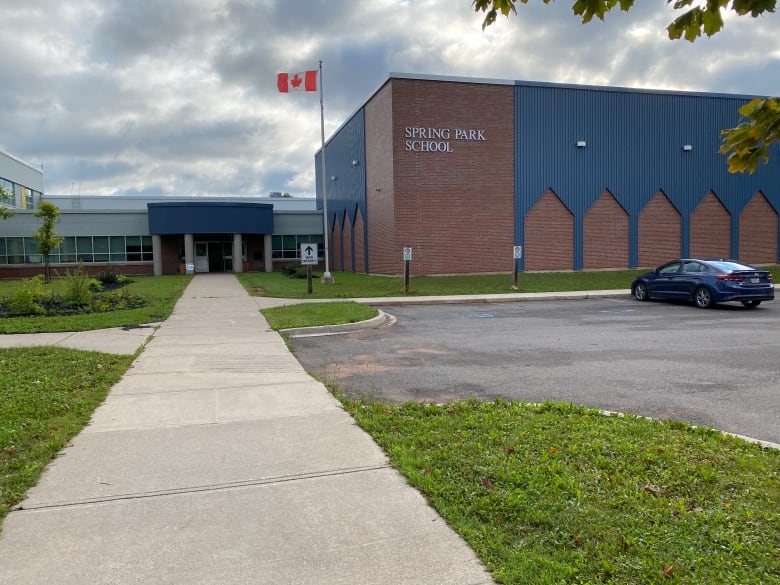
[
  {"x": 47, "y": 395},
  {"x": 351, "y": 285},
  {"x": 551, "y": 494},
  {"x": 161, "y": 293},
  {"x": 312, "y": 314}
]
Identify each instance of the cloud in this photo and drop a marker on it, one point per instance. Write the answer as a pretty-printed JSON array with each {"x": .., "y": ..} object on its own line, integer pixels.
[{"x": 134, "y": 96}]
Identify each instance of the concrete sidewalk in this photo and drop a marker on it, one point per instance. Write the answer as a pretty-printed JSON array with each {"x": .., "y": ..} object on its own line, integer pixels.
[{"x": 217, "y": 459}]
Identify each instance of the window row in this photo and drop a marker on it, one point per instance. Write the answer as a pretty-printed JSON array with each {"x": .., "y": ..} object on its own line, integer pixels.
[
  {"x": 78, "y": 249},
  {"x": 289, "y": 247},
  {"x": 8, "y": 192}
]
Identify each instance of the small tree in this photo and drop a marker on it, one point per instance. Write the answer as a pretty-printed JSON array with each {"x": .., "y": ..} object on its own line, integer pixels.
[
  {"x": 5, "y": 213},
  {"x": 47, "y": 237}
]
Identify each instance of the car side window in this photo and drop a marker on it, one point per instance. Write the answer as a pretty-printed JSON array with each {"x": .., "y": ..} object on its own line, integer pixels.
[
  {"x": 669, "y": 268},
  {"x": 694, "y": 267}
]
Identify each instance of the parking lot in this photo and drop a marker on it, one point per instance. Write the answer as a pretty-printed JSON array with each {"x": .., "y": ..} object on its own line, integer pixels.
[{"x": 716, "y": 367}]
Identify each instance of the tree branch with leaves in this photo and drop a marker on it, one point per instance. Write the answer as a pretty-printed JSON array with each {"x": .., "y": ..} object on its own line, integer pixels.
[{"x": 746, "y": 145}]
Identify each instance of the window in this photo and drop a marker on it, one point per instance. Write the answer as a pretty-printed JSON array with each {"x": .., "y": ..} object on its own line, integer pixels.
[
  {"x": 27, "y": 198},
  {"x": 67, "y": 250},
  {"x": 84, "y": 249},
  {"x": 87, "y": 249},
  {"x": 15, "y": 250},
  {"x": 7, "y": 194},
  {"x": 100, "y": 247},
  {"x": 146, "y": 248},
  {"x": 32, "y": 255},
  {"x": 117, "y": 251},
  {"x": 289, "y": 247},
  {"x": 133, "y": 248}
]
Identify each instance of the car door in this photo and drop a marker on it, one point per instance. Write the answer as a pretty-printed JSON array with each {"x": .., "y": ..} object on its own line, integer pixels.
[
  {"x": 662, "y": 284},
  {"x": 689, "y": 278}
]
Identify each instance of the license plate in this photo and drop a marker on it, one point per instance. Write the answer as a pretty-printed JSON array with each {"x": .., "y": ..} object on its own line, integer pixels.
[{"x": 755, "y": 280}]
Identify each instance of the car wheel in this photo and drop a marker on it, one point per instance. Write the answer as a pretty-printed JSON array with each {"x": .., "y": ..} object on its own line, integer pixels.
[
  {"x": 702, "y": 296},
  {"x": 751, "y": 304},
  {"x": 640, "y": 291}
]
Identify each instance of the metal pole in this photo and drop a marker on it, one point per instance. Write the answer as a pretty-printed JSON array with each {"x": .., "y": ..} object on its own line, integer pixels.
[{"x": 327, "y": 278}]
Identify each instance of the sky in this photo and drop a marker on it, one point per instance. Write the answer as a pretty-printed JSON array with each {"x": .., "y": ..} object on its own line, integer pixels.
[{"x": 179, "y": 97}]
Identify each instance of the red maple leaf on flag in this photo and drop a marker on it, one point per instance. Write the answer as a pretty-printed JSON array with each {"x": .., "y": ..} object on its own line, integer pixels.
[{"x": 296, "y": 81}]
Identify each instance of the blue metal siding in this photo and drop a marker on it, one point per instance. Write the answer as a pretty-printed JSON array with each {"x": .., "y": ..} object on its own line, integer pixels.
[
  {"x": 197, "y": 217},
  {"x": 634, "y": 149},
  {"x": 346, "y": 161}
]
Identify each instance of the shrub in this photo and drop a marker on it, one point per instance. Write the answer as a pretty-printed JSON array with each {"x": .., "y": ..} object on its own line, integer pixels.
[
  {"x": 294, "y": 270},
  {"x": 108, "y": 277},
  {"x": 27, "y": 299},
  {"x": 78, "y": 287}
]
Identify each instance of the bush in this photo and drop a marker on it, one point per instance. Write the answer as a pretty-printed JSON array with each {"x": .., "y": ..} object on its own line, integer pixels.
[
  {"x": 78, "y": 287},
  {"x": 294, "y": 270},
  {"x": 27, "y": 299},
  {"x": 108, "y": 277}
]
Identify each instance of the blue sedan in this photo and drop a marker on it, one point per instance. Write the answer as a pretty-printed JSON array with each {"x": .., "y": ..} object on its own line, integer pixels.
[{"x": 706, "y": 282}]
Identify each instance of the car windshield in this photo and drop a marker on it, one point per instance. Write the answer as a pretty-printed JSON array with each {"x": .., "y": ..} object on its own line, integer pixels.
[{"x": 731, "y": 266}]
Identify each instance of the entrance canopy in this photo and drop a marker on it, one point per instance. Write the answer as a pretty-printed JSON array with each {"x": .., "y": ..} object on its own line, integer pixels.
[{"x": 210, "y": 217}]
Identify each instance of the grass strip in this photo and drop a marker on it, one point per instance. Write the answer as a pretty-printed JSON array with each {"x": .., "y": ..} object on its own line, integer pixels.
[
  {"x": 351, "y": 285},
  {"x": 314, "y": 314},
  {"x": 47, "y": 395},
  {"x": 553, "y": 493}
]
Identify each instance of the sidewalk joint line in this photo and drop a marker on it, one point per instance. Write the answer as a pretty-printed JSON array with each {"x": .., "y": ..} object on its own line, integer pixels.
[{"x": 204, "y": 488}]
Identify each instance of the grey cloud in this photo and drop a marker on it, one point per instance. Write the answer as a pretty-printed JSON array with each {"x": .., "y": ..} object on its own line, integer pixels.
[{"x": 133, "y": 96}]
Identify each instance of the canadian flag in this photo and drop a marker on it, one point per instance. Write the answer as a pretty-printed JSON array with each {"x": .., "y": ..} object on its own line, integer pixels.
[{"x": 303, "y": 81}]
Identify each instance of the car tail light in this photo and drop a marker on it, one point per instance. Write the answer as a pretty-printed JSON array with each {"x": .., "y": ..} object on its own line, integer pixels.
[
  {"x": 735, "y": 277},
  {"x": 769, "y": 276}
]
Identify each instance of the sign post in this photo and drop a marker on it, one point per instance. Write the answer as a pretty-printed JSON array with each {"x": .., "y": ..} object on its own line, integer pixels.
[
  {"x": 407, "y": 260},
  {"x": 309, "y": 257},
  {"x": 517, "y": 253}
]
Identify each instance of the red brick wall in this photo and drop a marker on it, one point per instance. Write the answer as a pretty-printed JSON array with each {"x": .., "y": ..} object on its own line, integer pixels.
[
  {"x": 605, "y": 234},
  {"x": 170, "y": 253},
  {"x": 359, "y": 235},
  {"x": 710, "y": 229},
  {"x": 347, "y": 243},
  {"x": 383, "y": 252},
  {"x": 338, "y": 245},
  {"x": 549, "y": 235},
  {"x": 659, "y": 231},
  {"x": 456, "y": 209},
  {"x": 140, "y": 268},
  {"x": 758, "y": 232},
  {"x": 255, "y": 255}
]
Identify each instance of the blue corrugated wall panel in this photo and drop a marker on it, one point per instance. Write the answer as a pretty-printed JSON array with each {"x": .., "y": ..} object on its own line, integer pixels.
[
  {"x": 345, "y": 160},
  {"x": 634, "y": 148}
]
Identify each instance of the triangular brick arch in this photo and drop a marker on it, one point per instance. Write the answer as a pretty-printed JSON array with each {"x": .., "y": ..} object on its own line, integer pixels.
[
  {"x": 758, "y": 226},
  {"x": 606, "y": 234},
  {"x": 659, "y": 231},
  {"x": 710, "y": 229},
  {"x": 549, "y": 235}
]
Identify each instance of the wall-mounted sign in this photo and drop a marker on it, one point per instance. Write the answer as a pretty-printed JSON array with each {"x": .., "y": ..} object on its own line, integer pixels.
[{"x": 439, "y": 139}]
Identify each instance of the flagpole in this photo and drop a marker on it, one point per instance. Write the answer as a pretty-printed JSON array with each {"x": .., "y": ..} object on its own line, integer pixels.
[{"x": 327, "y": 278}]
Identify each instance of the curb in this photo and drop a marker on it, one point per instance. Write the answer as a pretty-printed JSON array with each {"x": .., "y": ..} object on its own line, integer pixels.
[{"x": 380, "y": 319}]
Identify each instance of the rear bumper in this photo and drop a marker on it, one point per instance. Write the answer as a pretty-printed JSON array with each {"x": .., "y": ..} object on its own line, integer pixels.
[{"x": 762, "y": 294}]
